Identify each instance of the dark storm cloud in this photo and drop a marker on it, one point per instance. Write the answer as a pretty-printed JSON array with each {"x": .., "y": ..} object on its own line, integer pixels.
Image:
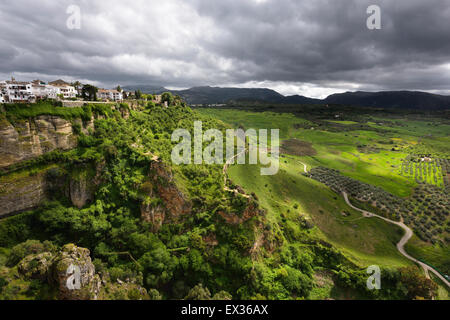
[{"x": 302, "y": 44}]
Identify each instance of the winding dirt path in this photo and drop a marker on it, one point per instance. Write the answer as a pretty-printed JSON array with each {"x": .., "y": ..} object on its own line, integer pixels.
[
  {"x": 225, "y": 174},
  {"x": 401, "y": 244}
]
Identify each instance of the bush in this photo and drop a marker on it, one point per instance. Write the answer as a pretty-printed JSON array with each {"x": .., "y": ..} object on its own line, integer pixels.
[
  {"x": 22, "y": 250},
  {"x": 76, "y": 127}
]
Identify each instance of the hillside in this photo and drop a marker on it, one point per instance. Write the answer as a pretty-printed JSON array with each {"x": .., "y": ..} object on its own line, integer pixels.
[
  {"x": 143, "y": 228},
  {"x": 392, "y": 99},
  {"x": 373, "y": 157},
  {"x": 386, "y": 99}
]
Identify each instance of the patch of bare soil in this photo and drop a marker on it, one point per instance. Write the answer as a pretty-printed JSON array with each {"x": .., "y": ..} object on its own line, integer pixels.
[{"x": 297, "y": 147}]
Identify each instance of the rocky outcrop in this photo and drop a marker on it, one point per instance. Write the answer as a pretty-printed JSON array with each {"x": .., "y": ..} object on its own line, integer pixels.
[
  {"x": 72, "y": 273},
  {"x": 174, "y": 200},
  {"x": 20, "y": 192},
  {"x": 26, "y": 190},
  {"x": 36, "y": 266},
  {"x": 249, "y": 212},
  {"x": 83, "y": 185},
  {"x": 82, "y": 189},
  {"x": 27, "y": 139},
  {"x": 173, "y": 204}
]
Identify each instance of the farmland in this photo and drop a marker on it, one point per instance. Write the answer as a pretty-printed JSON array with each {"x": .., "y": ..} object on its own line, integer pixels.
[{"x": 394, "y": 165}]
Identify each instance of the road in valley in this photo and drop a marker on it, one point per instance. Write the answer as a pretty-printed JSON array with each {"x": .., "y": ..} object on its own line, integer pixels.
[{"x": 401, "y": 244}]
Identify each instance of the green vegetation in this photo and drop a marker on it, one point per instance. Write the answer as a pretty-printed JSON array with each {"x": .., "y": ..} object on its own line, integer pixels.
[
  {"x": 16, "y": 112},
  {"x": 368, "y": 156},
  {"x": 176, "y": 230},
  {"x": 290, "y": 197},
  {"x": 89, "y": 92}
]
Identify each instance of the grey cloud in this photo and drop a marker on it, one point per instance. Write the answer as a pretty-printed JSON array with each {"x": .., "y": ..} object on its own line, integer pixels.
[{"x": 197, "y": 42}]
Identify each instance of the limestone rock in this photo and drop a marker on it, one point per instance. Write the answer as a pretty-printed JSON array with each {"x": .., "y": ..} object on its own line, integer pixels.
[
  {"x": 162, "y": 185},
  {"x": 80, "y": 192},
  {"x": 27, "y": 139},
  {"x": 74, "y": 274},
  {"x": 249, "y": 212},
  {"x": 36, "y": 266},
  {"x": 154, "y": 215},
  {"x": 22, "y": 192},
  {"x": 174, "y": 200}
]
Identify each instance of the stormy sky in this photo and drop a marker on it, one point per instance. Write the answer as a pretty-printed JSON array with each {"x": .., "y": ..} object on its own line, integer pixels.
[{"x": 313, "y": 47}]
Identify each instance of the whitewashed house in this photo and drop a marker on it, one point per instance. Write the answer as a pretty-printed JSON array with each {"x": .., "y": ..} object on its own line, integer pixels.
[
  {"x": 52, "y": 92},
  {"x": 3, "y": 96},
  {"x": 111, "y": 95},
  {"x": 42, "y": 90},
  {"x": 39, "y": 90},
  {"x": 64, "y": 88},
  {"x": 18, "y": 91}
]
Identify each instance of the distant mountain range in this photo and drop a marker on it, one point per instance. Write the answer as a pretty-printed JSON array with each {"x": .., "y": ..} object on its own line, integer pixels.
[{"x": 384, "y": 99}]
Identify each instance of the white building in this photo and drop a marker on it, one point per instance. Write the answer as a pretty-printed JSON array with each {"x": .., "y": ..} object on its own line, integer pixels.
[
  {"x": 3, "y": 92},
  {"x": 42, "y": 90},
  {"x": 111, "y": 95},
  {"x": 39, "y": 89},
  {"x": 52, "y": 92},
  {"x": 64, "y": 88},
  {"x": 17, "y": 91}
]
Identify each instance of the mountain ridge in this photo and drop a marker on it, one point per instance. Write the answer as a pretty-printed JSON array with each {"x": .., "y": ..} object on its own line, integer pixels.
[{"x": 403, "y": 99}]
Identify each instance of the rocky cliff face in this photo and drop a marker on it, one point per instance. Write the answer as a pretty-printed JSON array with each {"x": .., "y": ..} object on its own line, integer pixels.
[
  {"x": 27, "y": 139},
  {"x": 173, "y": 203},
  {"x": 82, "y": 187},
  {"x": 27, "y": 190},
  {"x": 249, "y": 212},
  {"x": 20, "y": 192}
]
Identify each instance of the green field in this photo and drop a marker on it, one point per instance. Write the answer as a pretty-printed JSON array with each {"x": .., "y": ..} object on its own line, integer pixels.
[
  {"x": 337, "y": 150},
  {"x": 371, "y": 151},
  {"x": 289, "y": 193}
]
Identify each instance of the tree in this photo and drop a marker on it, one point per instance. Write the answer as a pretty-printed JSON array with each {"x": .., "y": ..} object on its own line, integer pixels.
[
  {"x": 167, "y": 97},
  {"x": 77, "y": 85},
  {"x": 89, "y": 92},
  {"x": 159, "y": 265},
  {"x": 417, "y": 285},
  {"x": 296, "y": 282},
  {"x": 138, "y": 94},
  {"x": 151, "y": 105},
  {"x": 222, "y": 295},
  {"x": 198, "y": 293},
  {"x": 119, "y": 88}
]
